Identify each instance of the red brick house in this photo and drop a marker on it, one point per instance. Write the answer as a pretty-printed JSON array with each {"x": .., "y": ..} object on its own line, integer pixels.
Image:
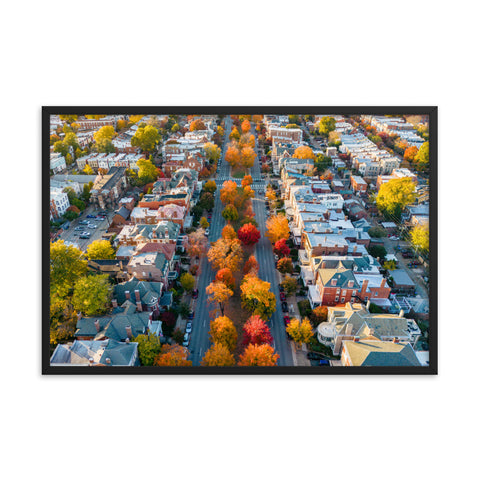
[{"x": 358, "y": 184}]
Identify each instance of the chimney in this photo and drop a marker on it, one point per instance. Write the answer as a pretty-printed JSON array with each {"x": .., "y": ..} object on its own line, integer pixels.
[
  {"x": 367, "y": 306},
  {"x": 395, "y": 340},
  {"x": 401, "y": 313},
  {"x": 356, "y": 339},
  {"x": 348, "y": 330},
  {"x": 137, "y": 295},
  {"x": 97, "y": 325},
  {"x": 127, "y": 340},
  {"x": 383, "y": 283},
  {"x": 364, "y": 288},
  {"x": 150, "y": 316},
  {"x": 108, "y": 361},
  {"x": 354, "y": 249},
  {"x": 90, "y": 361},
  {"x": 128, "y": 329},
  {"x": 139, "y": 306},
  {"x": 114, "y": 303},
  {"x": 79, "y": 316},
  {"x": 166, "y": 233},
  {"x": 127, "y": 295},
  {"x": 371, "y": 330}
]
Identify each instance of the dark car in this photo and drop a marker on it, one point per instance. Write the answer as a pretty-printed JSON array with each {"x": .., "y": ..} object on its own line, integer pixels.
[
  {"x": 90, "y": 216},
  {"x": 280, "y": 287},
  {"x": 191, "y": 314},
  {"x": 282, "y": 296},
  {"x": 195, "y": 294},
  {"x": 286, "y": 320},
  {"x": 313, "y": 356},
  {"x": 284, "y": 307}
]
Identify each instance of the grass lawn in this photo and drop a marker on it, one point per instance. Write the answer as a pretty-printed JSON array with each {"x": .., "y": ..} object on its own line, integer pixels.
[{"x": 238, "y": 174}]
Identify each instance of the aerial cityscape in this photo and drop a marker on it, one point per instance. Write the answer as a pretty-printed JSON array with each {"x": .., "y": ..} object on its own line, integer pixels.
[{"x": 293, "y": 240}]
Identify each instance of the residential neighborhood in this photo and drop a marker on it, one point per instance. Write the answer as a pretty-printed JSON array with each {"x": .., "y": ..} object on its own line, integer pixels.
[{"x": 239, "y": 240}]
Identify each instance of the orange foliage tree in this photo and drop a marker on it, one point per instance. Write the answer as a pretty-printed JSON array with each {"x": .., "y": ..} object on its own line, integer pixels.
[
  {"x": 251, "y": 266},
  {"x": 197, "y": 125},
  {"x": 197, "y": 243},
  {"x": 247, "y": 140},
  {"x": 235, "y": 134},
  {"x": 226, "y": 253},
  {"x": 410, "y": 153},
  {"x": 258, "y": 356},
  {"x": 228, "y": 192},
  {"x": 246, "y": 126},
  {"x": 247, "y": 157},
  {"x": 220, "y": 293},
  {"x": 247, "y": 180},
  {"x": 304, "y": 152},
  {"x": 232, "y": 156},
  {"x": 172, "y": 356},
  {"x": 277, "y": 228},
  {"x": 256, "y": 296},
  {"x": 228, "y": 232},
  {"x": 218, "y": 355},
  {"x": 223, "y": 331},
  {"x": 225, "y": 276}
]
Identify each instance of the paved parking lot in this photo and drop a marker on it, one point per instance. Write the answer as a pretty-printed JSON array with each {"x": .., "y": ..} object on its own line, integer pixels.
[{"x": 72, "y": 235}]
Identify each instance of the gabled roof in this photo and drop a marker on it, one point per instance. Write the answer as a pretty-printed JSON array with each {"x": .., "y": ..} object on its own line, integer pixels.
[
  {"x": 370, "y": 353},
  {"x": 123, "y": 212},
  {"x": 147, "y": 290},
  {"x": 342, "y": 276}
]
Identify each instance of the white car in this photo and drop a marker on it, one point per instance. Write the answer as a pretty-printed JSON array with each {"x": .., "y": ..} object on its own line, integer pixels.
[
  {"x": 186, "y": 340},
  {"x": 207, "y": 232},
  {"x": 91, "y": 225},
  {"x": 189, "y": 327}
]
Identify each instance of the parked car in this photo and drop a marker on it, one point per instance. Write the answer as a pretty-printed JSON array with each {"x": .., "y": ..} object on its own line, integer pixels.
[
  {"x": 282, "y": 296},
  {"x": 276, "y": 257},
  {"x": 186, "y": 340},
  {"x": 280, "y": 287},
  {"x": 191, "y": 314},
  {"x": 284, "y": 307},
  {"x": 207, "y": 232},
  {"x": 91, "y": 225},
  {"x": 188, "y": 328},
  {"x": 286, "y": 319},
  {"x": 83, "y": 222},
  {"x": 313, "y": 356},
  {"x": 90, "y": 216},
  {"x": 79, "y": 228},
  {"x": 195, "y": 294},
  {"x": 84, "y": 235}
]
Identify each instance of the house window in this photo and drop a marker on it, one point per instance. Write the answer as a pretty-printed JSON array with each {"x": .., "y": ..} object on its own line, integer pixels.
[
  {"x": 344, "y": 292},
  {"x": 144, "y": 274},
  {"x": 338, "y": 291},
  {"x": 343, "y": 299},
  {"x": 336, "y": 299},
  {"x": 354, "y": 292},
  {"x": 376, "y": 294}
]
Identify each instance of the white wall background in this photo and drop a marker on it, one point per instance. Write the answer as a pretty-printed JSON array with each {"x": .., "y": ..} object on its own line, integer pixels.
[{"x": 270, "y": 53}]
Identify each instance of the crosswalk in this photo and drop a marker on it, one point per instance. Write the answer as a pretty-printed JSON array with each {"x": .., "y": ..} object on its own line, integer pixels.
[{"x": 258, "y": 184}]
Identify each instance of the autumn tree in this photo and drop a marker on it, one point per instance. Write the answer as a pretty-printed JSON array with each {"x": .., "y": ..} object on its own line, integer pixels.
[
  {"x": 270, "y": 194},
  {"x": 230, "y": 213},
  {"x": 197, "y": 125},
  {"x": 326, "y": 125},
  {"x": 247, "y": 180},
  {"x": 135, "y": 118},
  {"x": 246, "y": 126},
  {"x": 225, "y": 276},
  {"x": 172, "y": 356},
  {"x": 103, "y": 139},
  {"x": 197, "y": 243},
  {"x": 223, "y": 331},
  {"x": 204, "y": 223},
  {"x": 419, "y": 237},
  {"x": 147, "y": 172},
  {"x": 281, "y": 248},
  {"x": 304, "y": 152},
  {"x": 226, "y": 253},
  {"x": 228, "y": 192},
  {"x": 247, "y": 157},
  {"x": 71, "y": 140},
  {"x": 234, "y": 134},
  {"x": 289, "y": 285},
  {"x": 68, "y": 118},
  {"x": 394, "y": 195},
  {"x": 319, "y": 315},
  {"x": 187, "y": 281},
  {"x": 251, "y": 266},
  {"x": 218, "y": 355},
  {"x": 220, "y": 131},
  {"x": 301, "y": 332},
  {"x": 410, "y": 153},
  {"x": 277, "y": 228},
  {"x": 92, "y": 294},
  {"x": 212, "y": 151},
  {"x": 422, "y": 158},
  {"x": 100, "y": 250},
  {"x": 247, "y": 140},
  {"x": 256, "y": 296},
  {"x": 232, "y": 156},
  {"x": 219, "y": 293},
  {"x": 146, "y": 138},
  {"x": 256, "y": 331},
  {"x": 67, "y": 266},
  {"x": 285, "y": 265},
  {"x": 249, "y": 234},
  {"x": 149, "y": 347},
  {"x": 258, "y": 356},
  {"x": 60, "y": 147},
  {"x": 210, "y": 186},
  {"x": 88, "y": 170},
  {"x": 228, "y": 232}
]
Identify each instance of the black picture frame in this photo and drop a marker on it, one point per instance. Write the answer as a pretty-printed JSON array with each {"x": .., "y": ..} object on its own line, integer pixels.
[{"x": 431, "y": 369}]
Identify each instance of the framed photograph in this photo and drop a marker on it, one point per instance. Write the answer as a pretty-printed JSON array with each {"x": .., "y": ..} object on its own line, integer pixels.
[{"x": 239, "y": 240}]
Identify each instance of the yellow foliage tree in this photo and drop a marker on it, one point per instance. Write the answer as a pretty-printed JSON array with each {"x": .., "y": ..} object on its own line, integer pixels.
[
  {"x": 226, "y": 253},
  {"x": 420, "y": 237},
  {"x": 301, "y": 332},
  {"x": 218, "y": 355},
  {"x": 277, "y": 228},
  {"x": 247, "y": 157},
  {"x": 304, "y": 152},
  {"x": 258, "y": 356},
  {"x": 172, "y": 356},
  {"x": 223, "y": 331},
  {"x": 220, "y": 293}
]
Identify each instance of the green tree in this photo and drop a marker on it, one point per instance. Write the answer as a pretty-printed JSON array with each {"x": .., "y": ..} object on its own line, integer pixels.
[
  {"x": 60, "y": 147},
  {"x": 68, "y": 118},
  {"x": 326, "y": 125},
  {"x": 230, "y": 213},
  {"x": 147, "y": 172},
  {"x": 212, "y": 151},
  {"x": 103, "y": 139},
  {"x": 210, "y": 186},
  {"x": 377, "y": 251},
  {"x": 420, "y": 238},
  {"x": 188, "y": 281},
  {"x": 146, "y": 138},
  {"x": 67, "y": 266},
  {"x": 175, "y": 128},
  {"x": 71, "y": 140},
  {"x": 290, "y": 285},
  {"x": 92, "y": 294},
  {"x": 422, "y": 159},
  {"x": 100, "y": 250},
  {"x": 204, "y": 223},
  {"x": 88, "y": 170},
  {"x": 394, "y": 196},
  {"x": 149, "y": 347}
]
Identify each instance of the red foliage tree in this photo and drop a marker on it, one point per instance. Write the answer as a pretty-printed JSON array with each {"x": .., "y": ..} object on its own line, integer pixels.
[
  {"x": 256, "y": 331},
  {"x": 169, "y": 318},
  {"x": 249, "y": 234},
  {"x": 251, "y": 265},
  {"x": 281, "y": 248},
  {"x": 225, "y": 276}
]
